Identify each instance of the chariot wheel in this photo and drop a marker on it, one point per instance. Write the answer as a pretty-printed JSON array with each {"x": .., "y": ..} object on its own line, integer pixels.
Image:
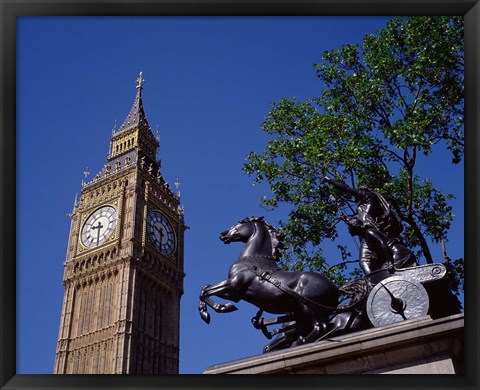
[{"x": 394, "y": 300}]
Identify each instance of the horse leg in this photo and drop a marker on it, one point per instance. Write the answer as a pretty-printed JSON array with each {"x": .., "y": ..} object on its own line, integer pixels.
[
  {"x": 284, "y": 338},
  {"x": 337, "y": 325},
  {"x": 318, "y": 329},
  {"x": 261, "y": 323},
  {"x": 221, "y": 290},
  {"x": 348, "y": 321},
  {"x": 281, "y": 341},
  {"x": 315, "y": 324}
]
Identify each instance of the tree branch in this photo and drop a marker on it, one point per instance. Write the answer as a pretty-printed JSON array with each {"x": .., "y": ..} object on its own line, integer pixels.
[
  {"x": 397, "y": 156},
  {"x": 416, "y": 231}
]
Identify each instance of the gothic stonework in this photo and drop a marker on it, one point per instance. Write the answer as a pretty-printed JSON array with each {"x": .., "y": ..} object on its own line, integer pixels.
[{"x": 123, "y": 274}]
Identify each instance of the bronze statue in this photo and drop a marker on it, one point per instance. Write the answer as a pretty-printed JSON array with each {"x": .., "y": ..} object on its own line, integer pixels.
[
  {"x": 379, "y": 230},
  {"x": 310, "y": 307}
]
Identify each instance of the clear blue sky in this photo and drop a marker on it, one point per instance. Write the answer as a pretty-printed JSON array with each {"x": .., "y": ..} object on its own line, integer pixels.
[{"x": 209, "y": 85}]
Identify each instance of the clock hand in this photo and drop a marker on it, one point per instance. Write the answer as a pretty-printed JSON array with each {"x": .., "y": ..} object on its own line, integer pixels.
[
  {"x": 99, "y": 226},
  {"x": 160, "y": 231}
]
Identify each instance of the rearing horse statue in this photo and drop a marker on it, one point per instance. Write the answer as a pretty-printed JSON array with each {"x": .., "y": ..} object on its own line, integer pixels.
[{"x": 255, "y": 277}]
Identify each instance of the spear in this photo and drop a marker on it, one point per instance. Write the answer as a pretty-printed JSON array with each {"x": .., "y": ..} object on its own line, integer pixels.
[{"x": 344, "y": 217}]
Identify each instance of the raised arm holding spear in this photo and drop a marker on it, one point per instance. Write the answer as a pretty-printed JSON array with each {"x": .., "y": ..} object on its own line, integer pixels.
[{"x": 376, "y": 225}]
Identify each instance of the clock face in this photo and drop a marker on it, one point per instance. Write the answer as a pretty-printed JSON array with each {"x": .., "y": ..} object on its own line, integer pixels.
[
  {"x": 99, "y": 226},
  {"x": 160, "y": 233}
]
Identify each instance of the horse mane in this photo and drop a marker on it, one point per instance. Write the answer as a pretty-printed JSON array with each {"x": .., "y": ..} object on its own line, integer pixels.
[{"x": 275, "y": 236}]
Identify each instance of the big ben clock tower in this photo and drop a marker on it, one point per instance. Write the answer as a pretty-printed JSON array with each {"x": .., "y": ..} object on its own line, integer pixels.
[{"x": 123, "y": 274}]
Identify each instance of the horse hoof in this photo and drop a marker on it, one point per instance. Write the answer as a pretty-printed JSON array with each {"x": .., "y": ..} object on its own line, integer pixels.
[
  {"x": 228, "y": 308},
  {"x": 205, "y": 316}
]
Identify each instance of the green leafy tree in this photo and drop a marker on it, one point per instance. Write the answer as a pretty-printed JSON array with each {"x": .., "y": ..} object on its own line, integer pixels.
[{"x": 384, "y": 105}]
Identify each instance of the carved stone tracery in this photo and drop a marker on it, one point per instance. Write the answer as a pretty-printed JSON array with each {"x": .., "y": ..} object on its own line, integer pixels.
[{"x": 100, "y": 330}]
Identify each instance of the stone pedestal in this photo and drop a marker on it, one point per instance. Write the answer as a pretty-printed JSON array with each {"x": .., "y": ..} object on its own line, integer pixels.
[{"x": 421, "y": 346}]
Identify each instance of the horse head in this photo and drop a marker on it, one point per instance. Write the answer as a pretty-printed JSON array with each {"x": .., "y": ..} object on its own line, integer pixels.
[
  {"x": 240, "y": 232},
  {"x": 253, "y": 226}
]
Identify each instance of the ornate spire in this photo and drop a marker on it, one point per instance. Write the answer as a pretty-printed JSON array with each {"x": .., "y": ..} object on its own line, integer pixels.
[
  {"x": 136, "y": 116},
  {"x": 133, "y": 144}
]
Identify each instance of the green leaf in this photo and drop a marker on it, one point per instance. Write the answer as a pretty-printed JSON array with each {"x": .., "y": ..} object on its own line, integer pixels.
[{"x": 385, "y": 104}]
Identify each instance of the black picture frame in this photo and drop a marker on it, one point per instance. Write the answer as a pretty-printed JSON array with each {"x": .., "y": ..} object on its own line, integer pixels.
[{"x": 10, "y": 9}]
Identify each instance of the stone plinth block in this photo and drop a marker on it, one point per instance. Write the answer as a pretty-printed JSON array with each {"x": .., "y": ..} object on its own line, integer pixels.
[{"x": 420, "y": 346}]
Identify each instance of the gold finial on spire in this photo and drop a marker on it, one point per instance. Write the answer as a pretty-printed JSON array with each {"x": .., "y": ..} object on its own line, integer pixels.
[
  {"x": 140, "y": 80},
  {"x": 85, "y": 174}
]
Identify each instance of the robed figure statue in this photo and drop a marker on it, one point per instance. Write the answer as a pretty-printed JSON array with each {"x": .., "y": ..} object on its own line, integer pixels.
[{"x": 379, "y": 229}]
